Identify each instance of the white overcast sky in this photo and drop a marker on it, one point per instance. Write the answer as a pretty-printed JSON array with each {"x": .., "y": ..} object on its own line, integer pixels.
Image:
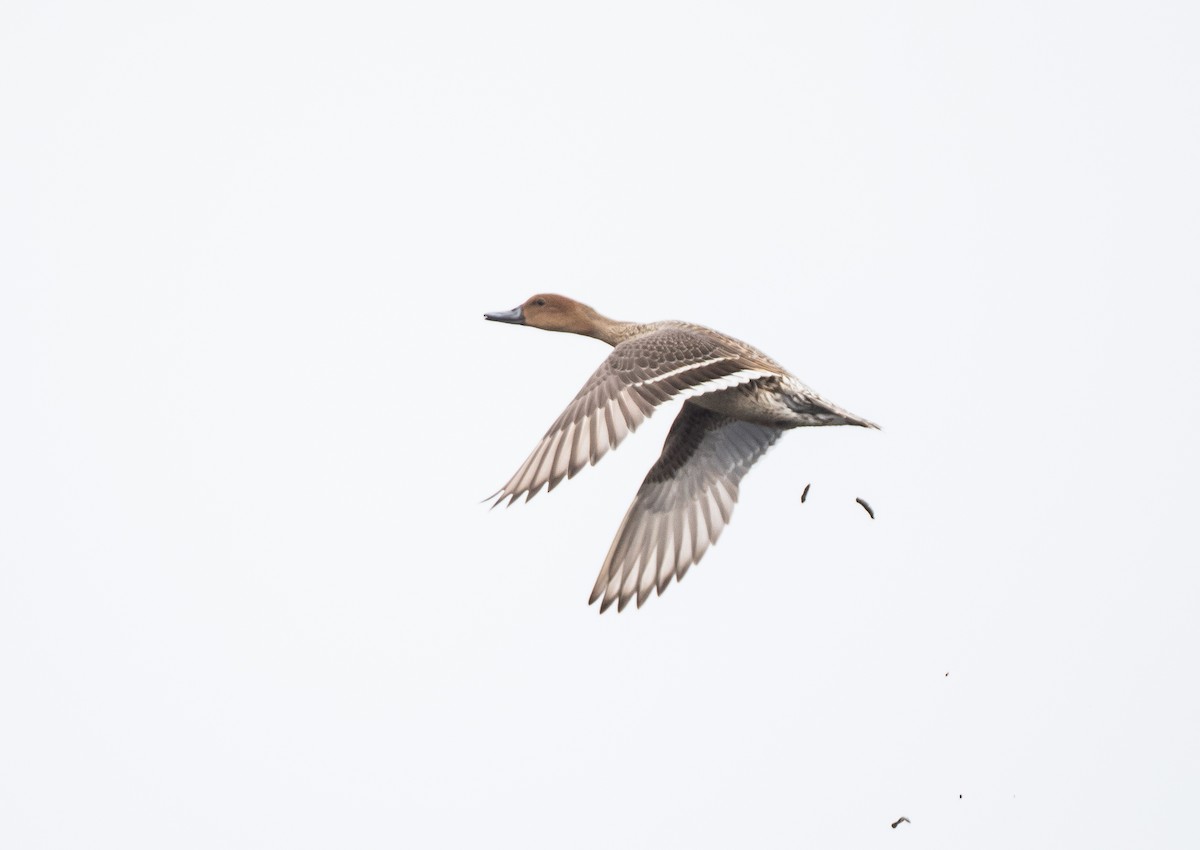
[{"x": 249, "y": 597}]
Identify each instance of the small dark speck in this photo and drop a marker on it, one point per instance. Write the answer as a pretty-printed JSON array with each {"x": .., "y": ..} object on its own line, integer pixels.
[
  {"x": 947, "y": 674},
  {"x": 804, "y": 495},
  {"x": 902, "y": 820},
  {"x": 866, "y": 507},
  {"x": 960, "y": 796}
]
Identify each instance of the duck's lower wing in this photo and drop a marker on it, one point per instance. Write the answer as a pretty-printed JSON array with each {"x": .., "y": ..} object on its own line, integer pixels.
[{"x": 683, "y": 505}]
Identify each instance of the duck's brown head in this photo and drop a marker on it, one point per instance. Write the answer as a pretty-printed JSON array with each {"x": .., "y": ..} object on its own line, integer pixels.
[{"x": 552, "y": 313}]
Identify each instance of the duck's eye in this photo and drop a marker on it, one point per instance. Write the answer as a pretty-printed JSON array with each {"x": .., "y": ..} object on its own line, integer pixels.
[{"x": 541, "y": 302}]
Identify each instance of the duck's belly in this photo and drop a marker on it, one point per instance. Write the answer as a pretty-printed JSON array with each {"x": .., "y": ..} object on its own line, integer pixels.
[
  {"x": 750, "y": 403},
  {"x": 780, "y": 403}
]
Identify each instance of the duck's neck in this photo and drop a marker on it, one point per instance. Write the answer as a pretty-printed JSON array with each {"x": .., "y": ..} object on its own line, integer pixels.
[{"x": 612, "y": 331}]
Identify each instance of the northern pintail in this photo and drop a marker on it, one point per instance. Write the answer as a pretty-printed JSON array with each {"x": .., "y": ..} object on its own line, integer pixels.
[{"x": 738, "y": 402}]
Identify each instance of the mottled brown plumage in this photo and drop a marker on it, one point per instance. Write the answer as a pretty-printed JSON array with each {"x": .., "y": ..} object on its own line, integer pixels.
[{"x": 737, "y": 403}]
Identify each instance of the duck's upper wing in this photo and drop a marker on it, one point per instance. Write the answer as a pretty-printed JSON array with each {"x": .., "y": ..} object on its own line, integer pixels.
[
  {"x": 682, "y": 506},
  {"x": 640, "y": 374}
]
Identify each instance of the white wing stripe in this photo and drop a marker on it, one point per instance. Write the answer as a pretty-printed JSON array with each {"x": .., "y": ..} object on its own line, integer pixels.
[
  {"x": 712, "y": 385},
  {"x": 689, "y": 367}
]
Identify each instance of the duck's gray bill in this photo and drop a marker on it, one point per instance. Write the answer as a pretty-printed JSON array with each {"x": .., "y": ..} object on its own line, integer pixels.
[{"x": 514, "y": 316}]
